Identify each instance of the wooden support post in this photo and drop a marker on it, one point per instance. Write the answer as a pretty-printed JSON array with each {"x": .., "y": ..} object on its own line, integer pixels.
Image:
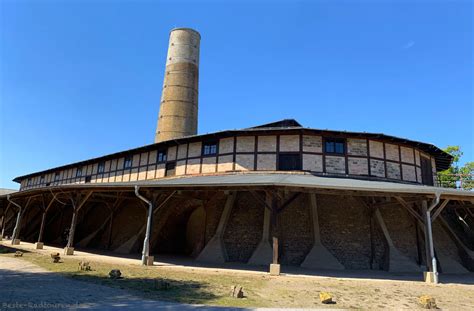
[
  {"x": 43, "y": 219},
  {"x": 17, "y": 229},
  {"x": 111, "y": 222},
  {"x": 41, "y": 231},
  {"x": 418, "y": 250},
  {"x": 77, "y": 204},
  {"x": 424, "y": 206},
  {"x": 275, "y": 266},
  {"x": 275, "y": 229},
  {"x": 5, "y": 220},
  {"x": 371, "y": 233}
]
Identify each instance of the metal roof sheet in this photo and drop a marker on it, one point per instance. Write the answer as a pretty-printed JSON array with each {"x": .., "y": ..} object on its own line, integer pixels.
[{"x": 237, "y": 180}]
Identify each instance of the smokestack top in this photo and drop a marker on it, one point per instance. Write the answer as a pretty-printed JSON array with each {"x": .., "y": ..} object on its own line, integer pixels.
[{"x": 186, "y": 29}]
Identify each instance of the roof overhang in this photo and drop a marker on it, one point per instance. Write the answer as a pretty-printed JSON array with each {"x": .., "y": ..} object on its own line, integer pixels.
[{"x": 247, "y": 181}]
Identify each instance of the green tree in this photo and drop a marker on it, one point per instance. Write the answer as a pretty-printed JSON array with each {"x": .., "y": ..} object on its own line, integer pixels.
[{"x": 457, "y": 176}]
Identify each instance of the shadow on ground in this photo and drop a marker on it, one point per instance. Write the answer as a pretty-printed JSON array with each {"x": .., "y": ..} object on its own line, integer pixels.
[
  {"x": 169, "y": 260},
  {"x": 28, "y": 286}
]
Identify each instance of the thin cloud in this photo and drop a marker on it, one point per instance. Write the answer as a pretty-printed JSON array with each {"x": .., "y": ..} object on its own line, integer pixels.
[{"x": 408, "y": 45}]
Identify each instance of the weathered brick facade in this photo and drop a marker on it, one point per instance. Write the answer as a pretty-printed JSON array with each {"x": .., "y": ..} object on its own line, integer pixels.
[{"x": 365, "y": 158}]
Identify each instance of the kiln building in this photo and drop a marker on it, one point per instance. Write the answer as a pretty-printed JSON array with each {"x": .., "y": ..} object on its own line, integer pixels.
[{"x": 270, "y": 194}]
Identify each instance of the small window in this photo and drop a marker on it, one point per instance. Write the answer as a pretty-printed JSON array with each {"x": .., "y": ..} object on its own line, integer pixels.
[
  {"x": 79, "y": 172},
  {"x": 101, "y": 167},
  {"x": 56, "y": 176},
  {"x": 128, "y": 162},
  {"x": 29, "y": 182},
  {"x": 161, "y": 156},
  {"x": 170, "y": 169},
  {"x": 88, "y": 179},
  {"x": 209, "y": 148},
  {"x": 334, "y": 146},
  {"x": 42, "y": 180},
  {"x": 289, "y": 162}
]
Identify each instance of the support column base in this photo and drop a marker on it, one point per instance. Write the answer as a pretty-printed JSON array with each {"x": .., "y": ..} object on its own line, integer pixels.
[
  {"x": 69, "y": 251},
  {"x": 39, "y": 245},
  {"x": 274, "y": 269},
  {"x": 262, "y": 255},
  {"x": 320, "y": 258},
  {"x": 213, "y": 252},
  {"x": 149, "y": 260},
  {"x": 16, "y": 242},
  {"x": 429, "y": 277}
]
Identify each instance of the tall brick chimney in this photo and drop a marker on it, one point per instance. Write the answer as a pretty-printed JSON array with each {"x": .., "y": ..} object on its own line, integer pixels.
[{"x": 178, "y": 116}]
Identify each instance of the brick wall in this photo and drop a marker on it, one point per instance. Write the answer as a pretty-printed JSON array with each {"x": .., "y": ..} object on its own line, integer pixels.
[
  {"x": 401, "y": 226},
  {"x": 244, "y": 229},
  {"x": 345, "y": 232},
  {"x": 296, "y": 231}
]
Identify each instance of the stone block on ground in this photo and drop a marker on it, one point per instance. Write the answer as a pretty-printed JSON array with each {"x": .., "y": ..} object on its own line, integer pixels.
[
  {"x": 39, "y": 245},
  {"x": 150, "y": 260},
  {"x": 18, "y": 254},
  {"x": 274, "y": 269},
  {"x": 237, "y": 291},
  {"x": 427, "y": 302},
  {"x": 55, "y": 257},
  {"x": 115, "y": 274},
  {"x": 69, "y": 251},
  {"x": 84, "y": 266},
  {"x": 325, "y": 298}
]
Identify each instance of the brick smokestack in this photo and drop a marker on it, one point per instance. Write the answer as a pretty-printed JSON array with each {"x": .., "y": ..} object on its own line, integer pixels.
[{"x": 178, "y": 116}]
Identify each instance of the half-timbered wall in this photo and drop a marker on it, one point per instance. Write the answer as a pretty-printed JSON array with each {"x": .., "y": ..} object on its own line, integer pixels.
[{"x": 366, "y": 158}]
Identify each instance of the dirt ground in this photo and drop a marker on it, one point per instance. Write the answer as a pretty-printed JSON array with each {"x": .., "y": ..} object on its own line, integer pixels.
[{"x": 211, "y": 286}]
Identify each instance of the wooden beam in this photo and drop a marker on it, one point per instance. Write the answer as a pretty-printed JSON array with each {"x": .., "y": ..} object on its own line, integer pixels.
[
  {"x": 289, "y": 201},
  {"x": 275, "y": 229},
  {"x": 409, "y": 208},
  {"x": 439, "y": 210},
  {"x": 164, "y": 202},
  {"x": 262, "y": 201}
]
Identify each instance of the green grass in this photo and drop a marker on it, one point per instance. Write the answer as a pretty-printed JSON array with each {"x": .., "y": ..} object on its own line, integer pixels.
[
  {"x": 186, "y": 286},
  {"x": 212, "y": 287}
]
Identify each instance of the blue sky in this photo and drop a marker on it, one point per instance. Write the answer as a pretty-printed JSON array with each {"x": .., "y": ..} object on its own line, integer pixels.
[{"x": 80, "y": 79}]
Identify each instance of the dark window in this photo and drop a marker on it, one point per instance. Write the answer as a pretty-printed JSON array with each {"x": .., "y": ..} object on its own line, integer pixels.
[
  {"x": 289, "y": 162},
  {"x": 209, "y": 148},
  {"x": 170, "y": 169},
  {"x": 334, "y": 146},
  {"x": 56, "y": 176},
  {"x": 48, "y": 184},
  {"x": 101, "y": 167},
  {"x": 161, "y": 156},
  {"x": 128, "y": 162},
  {"x": 79, "y": 172},
  {"x": 426, "y": 171},
  {"x": 42, "y": 179},
  {"x": 88, "y": 179}
]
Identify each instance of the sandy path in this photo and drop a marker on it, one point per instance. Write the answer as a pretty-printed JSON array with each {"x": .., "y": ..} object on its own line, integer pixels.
[{"x": 26, "y": 286}]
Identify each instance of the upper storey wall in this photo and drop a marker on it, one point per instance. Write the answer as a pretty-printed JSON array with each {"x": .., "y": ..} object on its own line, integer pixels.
[{"x": 360, "y": 158}]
